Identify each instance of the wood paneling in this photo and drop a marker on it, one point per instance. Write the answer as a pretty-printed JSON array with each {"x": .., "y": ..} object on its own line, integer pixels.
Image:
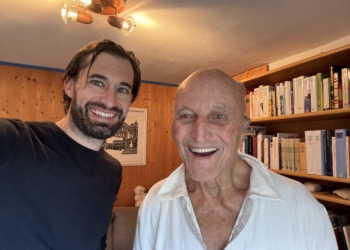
[{"x": 36, "y": 95}]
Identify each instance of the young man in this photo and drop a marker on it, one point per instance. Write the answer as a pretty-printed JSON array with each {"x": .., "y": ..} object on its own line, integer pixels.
[
  {"x": 57, "y": 184},
  {"x": 219, "y": 198}
]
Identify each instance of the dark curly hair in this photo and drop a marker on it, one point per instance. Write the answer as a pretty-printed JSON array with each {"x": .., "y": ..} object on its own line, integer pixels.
[{"x": 80, "y": 62}]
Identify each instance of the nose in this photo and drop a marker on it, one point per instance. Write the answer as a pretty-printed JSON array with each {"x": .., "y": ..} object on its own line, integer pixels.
[
  {"x": 109, "y": 98},
  {"x": 201, "y": 129}
]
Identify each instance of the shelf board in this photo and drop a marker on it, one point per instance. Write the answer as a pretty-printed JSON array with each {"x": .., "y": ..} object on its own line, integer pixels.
[
  {"x": 319, "y": 115},
  {"x": 308, "y": 67},
  {"x": 327, "y": 196},
  {"x": 311, "y": 176}
]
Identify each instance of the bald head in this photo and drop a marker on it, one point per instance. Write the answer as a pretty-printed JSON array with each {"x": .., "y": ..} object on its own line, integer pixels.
[{"x": 213, "y": 80}]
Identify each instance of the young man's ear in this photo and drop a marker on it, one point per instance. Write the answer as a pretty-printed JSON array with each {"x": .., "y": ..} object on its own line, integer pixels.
[{"x": 68, "y": 86}]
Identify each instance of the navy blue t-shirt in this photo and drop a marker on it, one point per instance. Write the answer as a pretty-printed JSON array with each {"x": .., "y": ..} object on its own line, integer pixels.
[{"x": 54, "y": 192}]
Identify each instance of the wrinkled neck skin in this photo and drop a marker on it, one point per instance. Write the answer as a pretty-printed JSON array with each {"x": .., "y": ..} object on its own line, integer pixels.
[{"x": 232, "y": 179}]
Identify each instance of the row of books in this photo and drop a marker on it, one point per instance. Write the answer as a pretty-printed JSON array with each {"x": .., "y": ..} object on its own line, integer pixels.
[
  {"x": 341, "y": 227},
  {"x": 321, "y": 152},
  {"x": 302, "y": 94}
]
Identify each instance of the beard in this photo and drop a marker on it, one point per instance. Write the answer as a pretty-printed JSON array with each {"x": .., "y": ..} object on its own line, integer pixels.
[{"x": 80, "y": 118}]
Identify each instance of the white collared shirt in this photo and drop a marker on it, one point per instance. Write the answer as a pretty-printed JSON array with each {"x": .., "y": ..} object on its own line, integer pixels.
[{"x": 277, "y": 214}]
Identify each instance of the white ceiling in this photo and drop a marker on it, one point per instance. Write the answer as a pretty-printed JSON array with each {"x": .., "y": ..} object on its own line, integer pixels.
[{"x": 173, "y": 38}]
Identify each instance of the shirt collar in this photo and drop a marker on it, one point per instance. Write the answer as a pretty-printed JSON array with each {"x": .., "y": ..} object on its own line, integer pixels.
[{"x": 261, "y": 182}]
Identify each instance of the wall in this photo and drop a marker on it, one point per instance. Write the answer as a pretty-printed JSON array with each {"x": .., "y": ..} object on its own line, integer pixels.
[{"x": 31, "y": 94}]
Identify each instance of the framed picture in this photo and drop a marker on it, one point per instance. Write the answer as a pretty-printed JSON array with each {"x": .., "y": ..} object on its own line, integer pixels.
[{"x": 128, "y": 145}]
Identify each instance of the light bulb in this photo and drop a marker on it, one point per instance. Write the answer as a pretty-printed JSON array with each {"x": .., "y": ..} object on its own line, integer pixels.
[
  {"x": 76, "y": 16},
  {"x": 85, "y": 3},
  {"x": 128, "y": 26}
]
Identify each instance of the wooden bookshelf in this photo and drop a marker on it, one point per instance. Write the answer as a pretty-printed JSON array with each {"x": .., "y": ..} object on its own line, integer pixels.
[
  {"x": 299, "y": 123},
  {"x": 312, "y": 176}
]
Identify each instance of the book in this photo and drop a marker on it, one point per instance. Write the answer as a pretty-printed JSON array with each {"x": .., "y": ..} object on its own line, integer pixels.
[
  {"x": 319, "y": 80},
  {"x": 300, "y": 91},
  {"x": 332, "y": 70},
  {"x": 260, "y": 146},
  {"x": 284, "y": 163},
  {"x": 256, "y": 103},
  {"x": 302, "y": 154},
  {"x": 342, "y": 221},
  {"x": 334, "y": 158},
  {"x": 326, "y": 94},
  {"x": 328, "y": 152},
  {"x": 261, "y": 102},
  {"x": 247, "y": 105},
  {"x": 346, "y": 87},
  {"x": 282, "y": 99},
  {"x": 295, "y": 96},
  {"x": 290, "y": 154},
  {"x": 278, "y": 151},
  {"x": 274, "y": 149},
  {"x": 313, "y": 93},
  {"x": 338, "y": 96},
  {"x": 346, "y": 230},
  {"x": 307, "y": 94},
  {"x": 296, "y": 149},
  {"x": 257, "y": 129},
  {"x": 347, "y": 157},
  {"x": 310, "y": 152},
  {"x": 340, "y": 147},
  {"x": 266, "y": 152},
  {"x": 319, "y": 136},
  {"x": 287, "y": 94},
  {"x": 251, "y": 104},
  {"x": 254, "y": 147},
  {"x": 266, "y": 99},
  {"x": 278, "y": 110}
]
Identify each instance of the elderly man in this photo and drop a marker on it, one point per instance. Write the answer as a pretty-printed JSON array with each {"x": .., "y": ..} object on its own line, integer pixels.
[{"x": 219, "y": 198}]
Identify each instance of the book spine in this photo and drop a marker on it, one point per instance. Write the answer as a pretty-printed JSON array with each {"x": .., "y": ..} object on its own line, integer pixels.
[
  {"x": 295, "y": 95},
  {"x": 345, "y": 81},
  {"x": 297, "y": 155},
  {"x": 306, "y": 91},
  {"x": 319, "y": 82},
  {"x": 331, "y": 80},
  {"x": 287, "y": 97},
  {"x": 340, "y": 221},
  {"x": 326, "y": 94},
  {"x": 313, "y": 93},
  {"x": 300, "y": 87},
  {"x": 302, "y": 151},
  {"x": 334, "y": 157},
  {"x": 291, "y": 155},
  {"x": 310, "y": 158},
  {"x": 328, "y": 147},
  {"x": 318, "y": 149},
  {"x": 340, "y": 145}
]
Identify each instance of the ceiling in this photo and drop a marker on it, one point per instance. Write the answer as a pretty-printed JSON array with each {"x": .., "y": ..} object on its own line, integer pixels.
[{"x": 174, "y": 38}]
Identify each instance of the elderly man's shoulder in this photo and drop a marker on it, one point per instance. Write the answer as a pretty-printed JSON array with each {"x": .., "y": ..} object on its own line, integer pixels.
[{"x": 292, "y": 189}]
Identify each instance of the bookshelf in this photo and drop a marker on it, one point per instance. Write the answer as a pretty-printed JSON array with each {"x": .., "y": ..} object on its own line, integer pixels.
[{"x": 299, "y": 123}]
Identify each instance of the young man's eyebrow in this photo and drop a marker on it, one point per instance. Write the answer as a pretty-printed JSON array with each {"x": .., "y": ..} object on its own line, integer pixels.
[{"x": 102, "y": 77}]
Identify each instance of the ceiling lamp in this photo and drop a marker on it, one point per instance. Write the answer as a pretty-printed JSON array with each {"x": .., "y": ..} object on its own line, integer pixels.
[{"x": 77, "y": 10}]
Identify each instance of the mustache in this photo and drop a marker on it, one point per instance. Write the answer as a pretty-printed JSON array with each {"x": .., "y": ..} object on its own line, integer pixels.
[{"x": 115, "y": 109}]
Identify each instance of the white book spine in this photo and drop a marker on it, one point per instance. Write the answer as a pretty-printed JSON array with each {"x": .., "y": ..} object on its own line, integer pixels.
[
  {"x": 326, "y": 100},
  {"x": 300, "y": 89},
  {"x": 340, "y": 145},
  {"x": 313, "y": 93},
  {"x": 282, "y": 99},
  {"x": 261, "y": 102},
  {"x": 266, "y": 152},
  {"x": 278, "y": 151},
  {"x": 310, "y": 158},
  {"x": 271, "y": 154},
  {"x": 256, "y": 103},
  {"x": 318, "y": 149},
  {"x": 334, "y": 157}
]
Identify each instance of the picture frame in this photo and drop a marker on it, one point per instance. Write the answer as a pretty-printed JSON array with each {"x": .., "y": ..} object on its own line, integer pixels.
[{"x": 128, "y": 145}]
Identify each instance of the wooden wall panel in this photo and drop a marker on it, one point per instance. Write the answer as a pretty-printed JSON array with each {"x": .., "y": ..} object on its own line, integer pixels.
[{"x": 35, "y": 95}]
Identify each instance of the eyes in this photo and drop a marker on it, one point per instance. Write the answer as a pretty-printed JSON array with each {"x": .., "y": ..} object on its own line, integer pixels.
[
  {"x": 214, "y": 118},
  {"x": 100, "y": 86}
]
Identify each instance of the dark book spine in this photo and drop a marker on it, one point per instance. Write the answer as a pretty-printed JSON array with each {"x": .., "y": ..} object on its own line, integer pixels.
[
  {"x": 329, "y": 153},
  {"x": 339, "y": 220}
]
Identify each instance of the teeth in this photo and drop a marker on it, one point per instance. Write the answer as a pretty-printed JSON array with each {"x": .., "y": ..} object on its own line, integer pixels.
[
  {"x": 203, "y": 150},
  {"x": 96, "y": 112}
]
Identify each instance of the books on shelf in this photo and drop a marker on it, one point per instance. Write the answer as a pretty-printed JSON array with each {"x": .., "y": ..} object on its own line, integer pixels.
[
  {"x": 342, "y": 222},
  {"x": 326, "y": 94},
  {"x": 302, "y": 154},
  {"x": 346, "y": 87},
  {"x": 310, "y": 152},
  {"x": 340, "y": 147}
]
